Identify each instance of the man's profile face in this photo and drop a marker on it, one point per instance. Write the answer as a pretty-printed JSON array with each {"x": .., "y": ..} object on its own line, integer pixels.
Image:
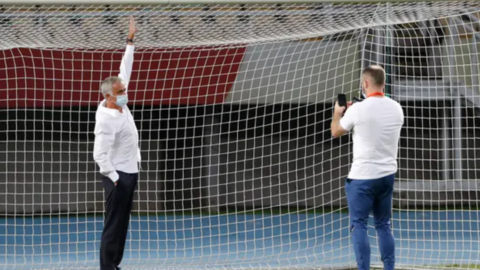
[{"x": 118, "y": 89}]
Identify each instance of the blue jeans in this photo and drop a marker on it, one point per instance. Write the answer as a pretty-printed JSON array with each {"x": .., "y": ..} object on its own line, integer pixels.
[{"x": 365, "y": 196}]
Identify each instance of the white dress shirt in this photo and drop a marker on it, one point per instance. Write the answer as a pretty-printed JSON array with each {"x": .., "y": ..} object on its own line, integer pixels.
[
  {"x": 376, "y": 124},
  {"x": 116, "y": 136}
]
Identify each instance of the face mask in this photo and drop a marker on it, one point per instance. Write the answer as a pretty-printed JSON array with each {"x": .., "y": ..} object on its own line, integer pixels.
[{"x": 122, "y": 100}]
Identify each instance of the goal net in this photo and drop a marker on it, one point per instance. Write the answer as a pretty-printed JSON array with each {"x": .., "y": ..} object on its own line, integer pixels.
[{"x": 233, "y": 104}]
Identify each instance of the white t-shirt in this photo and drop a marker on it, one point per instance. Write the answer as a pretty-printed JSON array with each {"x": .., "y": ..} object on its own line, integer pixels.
[{"x": 377, "y": 122}]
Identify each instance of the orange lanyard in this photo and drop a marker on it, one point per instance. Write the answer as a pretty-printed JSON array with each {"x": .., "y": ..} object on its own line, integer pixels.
[{"x": 376, "y": 94}]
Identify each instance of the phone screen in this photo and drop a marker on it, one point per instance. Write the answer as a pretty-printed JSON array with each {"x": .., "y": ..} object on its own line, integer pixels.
[{"x": 342, "y": 100}]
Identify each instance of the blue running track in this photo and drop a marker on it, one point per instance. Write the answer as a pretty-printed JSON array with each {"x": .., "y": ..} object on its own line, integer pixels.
[{"x": 236, "y": 241}]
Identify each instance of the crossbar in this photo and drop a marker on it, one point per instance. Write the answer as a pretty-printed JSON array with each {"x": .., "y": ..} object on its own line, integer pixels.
[{"x": 168, "y": 2}]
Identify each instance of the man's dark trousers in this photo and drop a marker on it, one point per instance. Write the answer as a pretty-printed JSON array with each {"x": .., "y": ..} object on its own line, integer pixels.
[
  {"x": 365, "y": 196},
  {"x": 118, "y": 205}
]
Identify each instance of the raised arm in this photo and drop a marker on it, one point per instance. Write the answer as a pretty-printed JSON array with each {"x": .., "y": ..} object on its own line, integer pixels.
[{"x": 127, "y": 60}]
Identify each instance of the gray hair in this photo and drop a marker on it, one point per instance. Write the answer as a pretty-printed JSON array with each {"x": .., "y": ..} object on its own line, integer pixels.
[{"x": 107, "y": 84}]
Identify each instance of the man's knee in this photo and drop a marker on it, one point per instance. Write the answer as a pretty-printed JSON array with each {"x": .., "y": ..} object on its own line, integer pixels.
[
  {"x": 358, "y": 224},
  {"x": 383, "y": 227}
]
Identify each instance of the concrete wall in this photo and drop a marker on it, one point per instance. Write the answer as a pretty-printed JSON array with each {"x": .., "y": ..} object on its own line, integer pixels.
[
  {"x": 297, "y": 72},
  {"x": 268, "y": 157},
  {"x": 466, "y": 61},
  {"x": 316, "y": 71}
]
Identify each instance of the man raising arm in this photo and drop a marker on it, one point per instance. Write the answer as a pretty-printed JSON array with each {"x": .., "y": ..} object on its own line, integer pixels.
[
  {"x": 117, "y": 154},
  {"x": 377, "y": 122}
]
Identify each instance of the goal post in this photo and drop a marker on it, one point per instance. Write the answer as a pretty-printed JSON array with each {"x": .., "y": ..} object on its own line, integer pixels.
[
  {"x": 204, "y": 2},
  {"x": 233, "y": 103}
]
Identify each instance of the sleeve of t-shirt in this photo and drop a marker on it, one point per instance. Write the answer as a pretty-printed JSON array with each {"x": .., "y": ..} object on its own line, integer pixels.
[{"x": 349, "y": 118}]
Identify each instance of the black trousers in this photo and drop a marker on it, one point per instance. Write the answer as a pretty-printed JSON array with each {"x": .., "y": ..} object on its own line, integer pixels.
[{"x": 118, "y": 205}]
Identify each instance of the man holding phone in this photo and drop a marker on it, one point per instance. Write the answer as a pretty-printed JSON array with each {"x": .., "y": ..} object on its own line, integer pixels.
[{"x": 377, "y": 122}]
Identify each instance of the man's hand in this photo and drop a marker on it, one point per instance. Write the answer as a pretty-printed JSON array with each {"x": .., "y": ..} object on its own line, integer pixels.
[
  {"x": 131, "y": 29},
  {"x": 339, "y": 111}
]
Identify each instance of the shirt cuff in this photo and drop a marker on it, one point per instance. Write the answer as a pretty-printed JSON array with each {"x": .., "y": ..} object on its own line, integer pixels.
[{"x": 113, "y": 176}]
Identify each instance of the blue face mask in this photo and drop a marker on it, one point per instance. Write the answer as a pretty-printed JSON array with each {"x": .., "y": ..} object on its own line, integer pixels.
[{"x": 122, "y": 100}]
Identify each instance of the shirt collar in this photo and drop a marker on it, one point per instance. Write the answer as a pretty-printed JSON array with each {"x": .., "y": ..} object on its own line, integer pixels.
[{"x": 106, "y": 110}]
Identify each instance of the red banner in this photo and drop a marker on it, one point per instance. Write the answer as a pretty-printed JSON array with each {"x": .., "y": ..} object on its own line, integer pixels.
[{"x": 55, "y": 78}]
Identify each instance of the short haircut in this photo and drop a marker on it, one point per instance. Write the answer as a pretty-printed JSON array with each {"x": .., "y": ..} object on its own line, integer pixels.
[
  {"x": 107, "y": 85},
  {"x": 376, "y": 73}
]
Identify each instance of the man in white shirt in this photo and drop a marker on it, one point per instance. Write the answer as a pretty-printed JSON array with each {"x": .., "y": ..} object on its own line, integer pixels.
[
  {"x": 117, "y": 154},
  {"x": 377, "y": 122}
]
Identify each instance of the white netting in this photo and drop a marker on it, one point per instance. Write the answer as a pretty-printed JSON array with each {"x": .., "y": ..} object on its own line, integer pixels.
[
  {"x": 101, "y": 27},
  {"x": 233, "y": 105}
]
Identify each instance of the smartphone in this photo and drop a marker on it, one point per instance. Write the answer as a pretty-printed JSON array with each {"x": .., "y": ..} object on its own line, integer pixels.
[{"x": 342, "y": 100}]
